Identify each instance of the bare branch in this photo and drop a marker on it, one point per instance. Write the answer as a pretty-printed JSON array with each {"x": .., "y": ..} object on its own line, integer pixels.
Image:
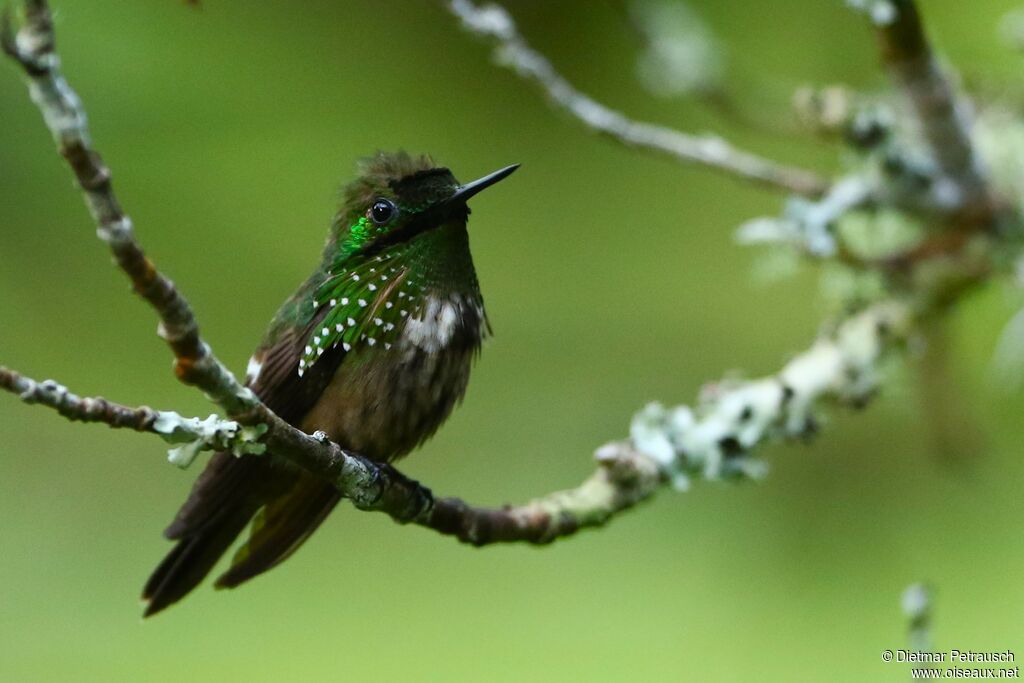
[
  {"x": 624, "y": 478},
  {"x": 77, "y": 408},
  {"x": 494, "y": 22}
]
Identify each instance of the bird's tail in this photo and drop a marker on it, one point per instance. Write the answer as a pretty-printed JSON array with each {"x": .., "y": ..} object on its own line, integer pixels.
[
  {"x": 280, "y": 528},
  {"x": 192, "y": 558},
  {"x": 288, "y": 505}
]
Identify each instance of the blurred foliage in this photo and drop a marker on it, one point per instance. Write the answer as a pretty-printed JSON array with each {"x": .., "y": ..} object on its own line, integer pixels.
[{"x": 611, "y": 279}]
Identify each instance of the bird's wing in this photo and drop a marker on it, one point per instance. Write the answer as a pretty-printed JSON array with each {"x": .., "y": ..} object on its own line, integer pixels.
[
  {"x": 279, "y": 385},
  {"x": 232, "y": 489}
]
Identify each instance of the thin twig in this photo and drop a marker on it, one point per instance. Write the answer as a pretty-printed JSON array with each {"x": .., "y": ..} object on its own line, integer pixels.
[
  {"x": 511, "y": 50},
  {"x": 192, "y": 434},
  {"x": 77, "y": 408},
  {"x": 916, "y": 602}
]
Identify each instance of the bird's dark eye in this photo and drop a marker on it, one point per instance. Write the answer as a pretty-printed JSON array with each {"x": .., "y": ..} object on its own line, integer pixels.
[{"x": 383, "y": 211}]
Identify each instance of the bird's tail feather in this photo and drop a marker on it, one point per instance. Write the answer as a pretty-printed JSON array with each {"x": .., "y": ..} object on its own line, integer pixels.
[
  {"x": 193, "y": 557},
  {"x": 288, "y": 505},
  {"x": 280, "y": 528}
]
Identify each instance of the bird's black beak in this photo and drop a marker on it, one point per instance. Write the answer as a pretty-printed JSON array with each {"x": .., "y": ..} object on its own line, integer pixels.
[{"x": 470, "y": 189}]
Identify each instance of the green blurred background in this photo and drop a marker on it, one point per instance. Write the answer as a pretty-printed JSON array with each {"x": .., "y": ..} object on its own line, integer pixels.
[{"x": 611, "y": 279}]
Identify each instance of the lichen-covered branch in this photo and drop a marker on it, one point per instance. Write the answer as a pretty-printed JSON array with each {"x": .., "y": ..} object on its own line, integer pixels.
[
  {"x": 715, "y": 439},
  {"x": 494, "y": 22},
  {"x": 621, "y": 481},
  {"x": 77, "y": 408},
  {"x": 917, "y": 188},
  {"x": 943, "y": 115},
  {"x": 809, "y": 225},
  {"x": 192, "y": 434},
  {"x": 624, "y": 477}
]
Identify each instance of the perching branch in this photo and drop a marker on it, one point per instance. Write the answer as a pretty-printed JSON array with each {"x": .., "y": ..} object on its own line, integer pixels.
[
  {"x": 713, "y": 440},
  {"x": 369, "y": 485},
  {"x": 511, "y": 50}
]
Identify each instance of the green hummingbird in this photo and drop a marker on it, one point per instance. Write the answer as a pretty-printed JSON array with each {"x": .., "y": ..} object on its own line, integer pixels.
[{"x": 374, "y": 349}]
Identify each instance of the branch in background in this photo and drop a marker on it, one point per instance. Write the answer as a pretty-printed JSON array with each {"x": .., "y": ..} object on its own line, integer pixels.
[
  {"x": 810, "y": 225},
  {"x": 916, "y": 602},
  {"x": 932, "y": 181},
  {"x": 494, "y": 22},
  {"x": 716, "y": 439},
  {"x": 711, "y": 441},
  {"x": 943, "y": 117}
]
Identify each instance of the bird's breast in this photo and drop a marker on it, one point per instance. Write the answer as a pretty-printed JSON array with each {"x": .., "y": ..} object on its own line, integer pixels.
[{"x": 384, "y": 402}]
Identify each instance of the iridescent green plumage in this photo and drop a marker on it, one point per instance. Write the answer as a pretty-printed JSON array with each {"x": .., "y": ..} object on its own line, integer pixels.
[
  {"x": 373, "y": 285},
  {"x": 374, "y": 349}
]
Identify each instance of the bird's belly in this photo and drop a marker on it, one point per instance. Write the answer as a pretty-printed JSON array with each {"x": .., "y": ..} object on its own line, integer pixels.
[{"x": 383, "y": 405}]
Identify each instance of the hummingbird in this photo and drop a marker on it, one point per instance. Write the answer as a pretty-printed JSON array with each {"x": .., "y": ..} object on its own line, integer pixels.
[{"x": 374, "y": 349}]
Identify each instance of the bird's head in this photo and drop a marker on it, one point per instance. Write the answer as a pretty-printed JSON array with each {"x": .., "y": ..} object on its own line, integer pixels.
[
  {"x": 398, "y": 259},
  {"x": 398, "y": 197}
]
